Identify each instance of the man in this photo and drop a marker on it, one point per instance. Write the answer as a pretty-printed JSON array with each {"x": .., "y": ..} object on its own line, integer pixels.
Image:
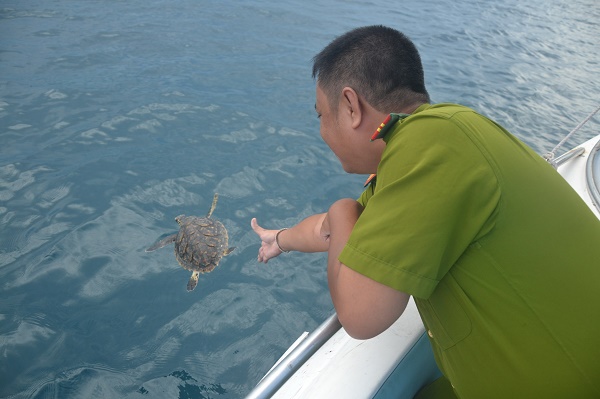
[{"x": 500, "y": 254}]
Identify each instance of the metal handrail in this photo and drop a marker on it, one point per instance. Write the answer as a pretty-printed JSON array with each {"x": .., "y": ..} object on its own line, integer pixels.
[
  {"x": 550, "y": 156},
  {"x": 296, "y": 358},
  {"x": 575, "y": 152}
]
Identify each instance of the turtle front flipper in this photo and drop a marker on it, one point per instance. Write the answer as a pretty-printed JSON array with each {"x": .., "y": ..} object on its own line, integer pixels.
[
  {"x": 213, "y": 206},
  {"x": 159, "y": 244},
  {"x": 193, "y": 281}
]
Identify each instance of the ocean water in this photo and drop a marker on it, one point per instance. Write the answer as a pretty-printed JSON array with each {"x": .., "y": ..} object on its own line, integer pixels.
[{"x": 118, "y": 116}]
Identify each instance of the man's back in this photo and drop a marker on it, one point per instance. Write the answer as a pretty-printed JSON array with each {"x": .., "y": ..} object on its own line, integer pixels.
[{"x": 518, "y": 310}]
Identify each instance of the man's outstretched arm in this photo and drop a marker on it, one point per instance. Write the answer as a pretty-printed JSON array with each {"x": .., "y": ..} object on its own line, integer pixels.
[{"x": 303, "y": 237}]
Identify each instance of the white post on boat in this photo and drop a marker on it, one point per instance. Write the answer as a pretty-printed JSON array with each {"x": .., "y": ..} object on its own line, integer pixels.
[{"x": 296, "y": 358}]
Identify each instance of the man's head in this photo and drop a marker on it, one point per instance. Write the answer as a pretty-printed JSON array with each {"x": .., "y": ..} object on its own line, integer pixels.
[{"x": 381, "y": 64}]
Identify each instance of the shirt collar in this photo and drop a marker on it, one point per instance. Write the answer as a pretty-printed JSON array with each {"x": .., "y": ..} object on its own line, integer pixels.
[
  {"x": 384, "y": 129},
  {"x": 391, "y": 120}
]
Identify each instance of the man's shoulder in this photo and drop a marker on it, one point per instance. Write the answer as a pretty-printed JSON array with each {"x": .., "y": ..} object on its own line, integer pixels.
[{"x": 443, "y": 110}]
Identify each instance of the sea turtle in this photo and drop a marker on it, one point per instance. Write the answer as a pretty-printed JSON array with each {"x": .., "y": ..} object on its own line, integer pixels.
[{"x": 200, "y": 243}]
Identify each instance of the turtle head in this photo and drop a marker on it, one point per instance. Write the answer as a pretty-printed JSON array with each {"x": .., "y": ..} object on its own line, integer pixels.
[{"x": 179, "y": 219}]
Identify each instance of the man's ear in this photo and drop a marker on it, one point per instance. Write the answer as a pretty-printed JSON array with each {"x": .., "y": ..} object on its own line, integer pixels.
[{"x": 352, "y": 106}]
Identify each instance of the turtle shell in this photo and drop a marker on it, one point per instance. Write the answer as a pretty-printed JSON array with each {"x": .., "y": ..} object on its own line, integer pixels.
[{"x": 200, "y": 243}]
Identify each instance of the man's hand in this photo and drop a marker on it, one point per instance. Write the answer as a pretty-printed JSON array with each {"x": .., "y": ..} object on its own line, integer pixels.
[
  {"x": 268, "y": 247},
  {"x": 303, "y": 237}
]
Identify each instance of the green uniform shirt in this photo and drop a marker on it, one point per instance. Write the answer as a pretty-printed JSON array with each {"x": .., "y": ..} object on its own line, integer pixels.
[{"x": 501, "y": 255}]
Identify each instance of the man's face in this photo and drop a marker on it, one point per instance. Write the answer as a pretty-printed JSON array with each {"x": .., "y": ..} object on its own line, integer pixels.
[
  {"x": 350, "y": 144},
  {"x": 332, "y": 131}
]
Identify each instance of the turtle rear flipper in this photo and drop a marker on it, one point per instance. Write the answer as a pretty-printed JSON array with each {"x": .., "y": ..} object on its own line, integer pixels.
[
  {"x": 193, "y": 281},
  {"x": 159, "y": 244}
]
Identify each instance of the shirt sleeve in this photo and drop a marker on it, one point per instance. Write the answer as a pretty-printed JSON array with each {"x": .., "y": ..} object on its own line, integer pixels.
[{"x": 436, "y": 194}]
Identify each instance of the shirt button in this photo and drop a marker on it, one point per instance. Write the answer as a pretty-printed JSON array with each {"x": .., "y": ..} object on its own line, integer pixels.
[{"x": 430, "y": 333}]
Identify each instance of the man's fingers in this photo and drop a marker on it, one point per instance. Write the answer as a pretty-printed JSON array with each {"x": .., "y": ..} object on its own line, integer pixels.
[{"x": 254, "y": 224}]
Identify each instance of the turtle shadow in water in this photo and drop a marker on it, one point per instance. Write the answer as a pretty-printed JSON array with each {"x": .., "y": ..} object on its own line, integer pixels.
[{"x": 200, "y": 243}]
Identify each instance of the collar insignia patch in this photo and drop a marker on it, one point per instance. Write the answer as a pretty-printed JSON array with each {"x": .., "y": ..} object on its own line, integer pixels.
[
  {"x": 370, "y": 180},
  {"x": 386, "y": 125}
]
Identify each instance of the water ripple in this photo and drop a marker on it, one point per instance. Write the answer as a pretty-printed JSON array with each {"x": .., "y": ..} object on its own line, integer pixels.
[
  {"x": 116, "y": 121},
  {"x": 241, "y": 184}
]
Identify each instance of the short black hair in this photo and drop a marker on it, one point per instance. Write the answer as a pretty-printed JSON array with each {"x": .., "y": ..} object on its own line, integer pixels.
[{"x": 378, "y": 62}]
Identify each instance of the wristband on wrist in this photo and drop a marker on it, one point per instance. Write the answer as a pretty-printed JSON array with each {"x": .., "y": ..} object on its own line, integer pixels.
[{"x": 277, "y": 240}]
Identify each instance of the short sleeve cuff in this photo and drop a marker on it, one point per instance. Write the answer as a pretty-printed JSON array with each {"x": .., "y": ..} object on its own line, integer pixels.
[{"x": 386, "y": 274}]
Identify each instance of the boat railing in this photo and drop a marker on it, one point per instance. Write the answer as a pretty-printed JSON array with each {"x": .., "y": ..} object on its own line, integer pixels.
[
  {"x": 550, "y": 156},
  {"x": 592, "y": 180},
  {"x": 575, "y": 152},
  {"x": 291, "y": 362}
]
